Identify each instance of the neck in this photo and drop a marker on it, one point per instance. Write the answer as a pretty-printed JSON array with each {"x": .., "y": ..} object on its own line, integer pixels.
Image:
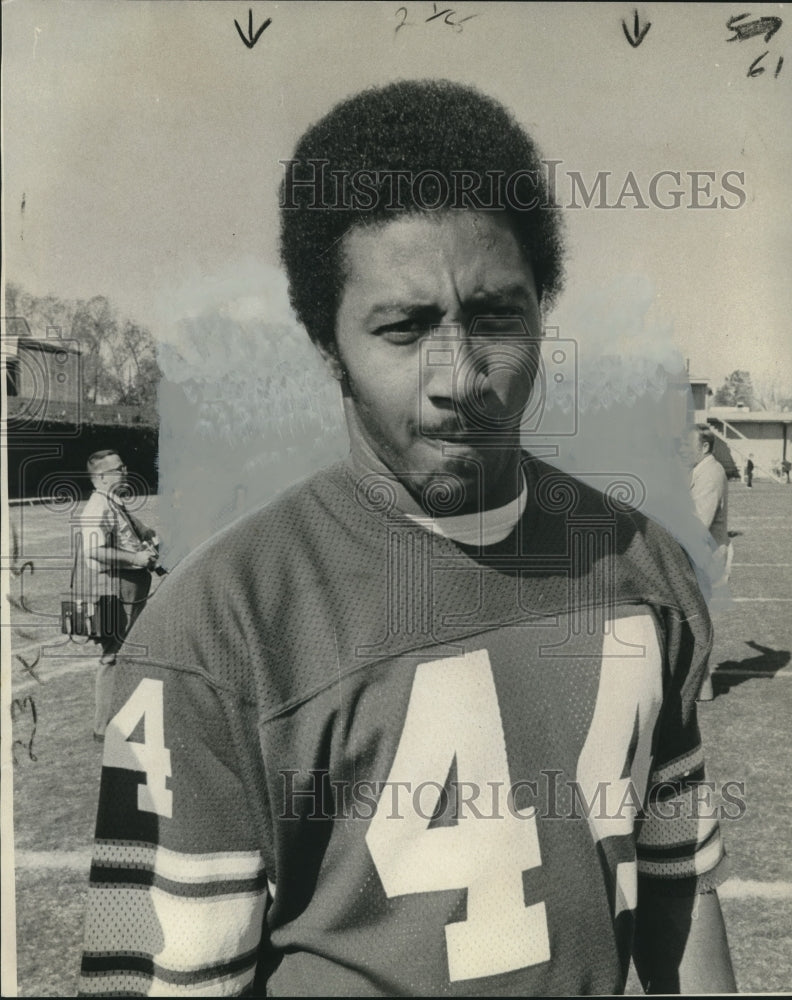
[
  {"x": 365, "y": 462},
  {"x": 109, "y": 493}
]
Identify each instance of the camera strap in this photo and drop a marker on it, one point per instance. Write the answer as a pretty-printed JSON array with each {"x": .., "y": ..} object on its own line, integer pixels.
[
  {"x": 132, "y": 522},
  {"x": 119, "y": 508},
  {"x": 76, "y": 561}
]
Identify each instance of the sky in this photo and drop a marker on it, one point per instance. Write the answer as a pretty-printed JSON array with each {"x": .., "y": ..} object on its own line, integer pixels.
[{"x": 141, "y": 149}]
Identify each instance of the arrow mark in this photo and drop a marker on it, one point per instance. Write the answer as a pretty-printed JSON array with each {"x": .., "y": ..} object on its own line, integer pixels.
[
  {"x": 639, "y": 33},
  {"x": 251, "y": 39}
]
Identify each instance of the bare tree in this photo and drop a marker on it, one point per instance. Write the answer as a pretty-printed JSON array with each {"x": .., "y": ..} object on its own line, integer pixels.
[
  {"x": 118, "y": 356},
  {"x": 772, "y": 395}
]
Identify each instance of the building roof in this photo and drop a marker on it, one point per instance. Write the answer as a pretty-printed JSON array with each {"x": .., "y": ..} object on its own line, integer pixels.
[
  {"x": 54, "y": 345},
  {"x": 734, "y": 416}
]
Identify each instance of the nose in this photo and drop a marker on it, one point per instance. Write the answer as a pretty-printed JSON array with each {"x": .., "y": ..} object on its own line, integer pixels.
[
  {"x": 485, "y": 381},
  {"x": 455, "y": 372}
]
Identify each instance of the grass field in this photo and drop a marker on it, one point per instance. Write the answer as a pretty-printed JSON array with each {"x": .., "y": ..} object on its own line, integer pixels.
[{"x": 746, "y": 733}]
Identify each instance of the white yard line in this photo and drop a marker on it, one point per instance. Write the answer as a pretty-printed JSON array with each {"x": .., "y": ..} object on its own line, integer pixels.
[
  {"x": 73, "y": 665},
  {"x": 33, "y": 646},
  {"x": 771, "y": 565},
  {"x": 784, "y": 674},
  {"x": 52, "y": 860},
  {"x": 738, "y": 888},
  {"x": 763, "y": 600},
  {"x": 757, "y": 517}
]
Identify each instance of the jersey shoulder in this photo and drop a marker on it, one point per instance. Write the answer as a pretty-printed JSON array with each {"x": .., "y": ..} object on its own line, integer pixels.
[
  {"x": 640, "y": 563},
  {"x": 646, "y": 554},
  {"x": 267, "y": 595}
]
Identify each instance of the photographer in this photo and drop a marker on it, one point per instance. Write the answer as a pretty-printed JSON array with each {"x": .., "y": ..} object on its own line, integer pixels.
[{"x": 119, "y": 554}]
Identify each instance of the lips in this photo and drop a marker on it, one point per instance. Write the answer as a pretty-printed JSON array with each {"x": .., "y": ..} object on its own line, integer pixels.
[
  {"x": 450, "y": 436},
  {"x": 449, "y": 432},
  {"x": 453, "y": 443},
  {"x": 466, "y": 435}
]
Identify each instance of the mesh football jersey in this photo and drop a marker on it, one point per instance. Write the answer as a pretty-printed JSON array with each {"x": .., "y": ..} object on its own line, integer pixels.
[{"x": 353, "y": 758}]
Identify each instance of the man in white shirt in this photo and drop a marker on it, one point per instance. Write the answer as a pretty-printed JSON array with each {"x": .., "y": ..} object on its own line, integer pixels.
[
  {"x": 710, "y": 494},
  {"x": 118, "y": 553},
  {"x": 711, "y": 499}
]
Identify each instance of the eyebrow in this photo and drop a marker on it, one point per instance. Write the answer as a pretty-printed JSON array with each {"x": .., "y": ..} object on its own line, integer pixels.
[
  {"x": 514, "y": 294},
  {"x": 506, "y": 295},
  {"x": 410, "y": 309}
]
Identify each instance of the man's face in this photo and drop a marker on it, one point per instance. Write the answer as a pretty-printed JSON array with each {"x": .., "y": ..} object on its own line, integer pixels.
[
  {"x": 109, "y": 473},
  {"x": 693, "y": 450},
  {"x": 423, "y": 402}
]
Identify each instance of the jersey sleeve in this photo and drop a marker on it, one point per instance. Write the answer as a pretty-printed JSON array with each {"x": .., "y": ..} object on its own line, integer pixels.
[
  {"x": 679, "y": 849},
  {"x": 178, "y": 887}
]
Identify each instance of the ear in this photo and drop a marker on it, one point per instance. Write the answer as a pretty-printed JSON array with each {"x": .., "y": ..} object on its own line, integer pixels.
[{"x": 332, "y": 361}]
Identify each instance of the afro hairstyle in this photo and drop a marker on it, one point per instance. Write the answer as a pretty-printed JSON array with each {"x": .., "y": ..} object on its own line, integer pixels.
[{"x": 407, "y": 127}]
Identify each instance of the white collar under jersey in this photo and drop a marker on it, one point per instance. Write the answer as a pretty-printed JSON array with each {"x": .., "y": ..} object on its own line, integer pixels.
[{"x": 481, "y": 528}]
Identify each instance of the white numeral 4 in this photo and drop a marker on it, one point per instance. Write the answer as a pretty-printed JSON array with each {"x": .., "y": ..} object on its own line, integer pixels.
[
  {"x": 453, "y": 710},
  {"x": 151, "y": 756}
]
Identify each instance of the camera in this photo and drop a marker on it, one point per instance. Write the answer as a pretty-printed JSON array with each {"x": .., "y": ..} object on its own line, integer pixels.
[{"x": 150, "y": 545}]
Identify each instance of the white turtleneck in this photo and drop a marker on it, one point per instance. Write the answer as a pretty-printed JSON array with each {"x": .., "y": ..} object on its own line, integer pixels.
[{"x": 481, "y": 528}]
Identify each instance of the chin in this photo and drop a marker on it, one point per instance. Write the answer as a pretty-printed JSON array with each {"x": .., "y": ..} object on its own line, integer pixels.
[{"x": 448, "y": 490}]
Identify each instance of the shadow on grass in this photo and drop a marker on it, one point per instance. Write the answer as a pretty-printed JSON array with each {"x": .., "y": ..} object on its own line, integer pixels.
[{"x": 766, "y": 663}]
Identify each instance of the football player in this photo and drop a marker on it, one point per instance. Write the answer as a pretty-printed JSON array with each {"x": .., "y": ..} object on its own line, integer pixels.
[{"x": 425, "y": 725}]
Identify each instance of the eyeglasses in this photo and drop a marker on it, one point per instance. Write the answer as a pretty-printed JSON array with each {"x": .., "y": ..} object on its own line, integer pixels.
[{"x": 118, "y": 468}]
